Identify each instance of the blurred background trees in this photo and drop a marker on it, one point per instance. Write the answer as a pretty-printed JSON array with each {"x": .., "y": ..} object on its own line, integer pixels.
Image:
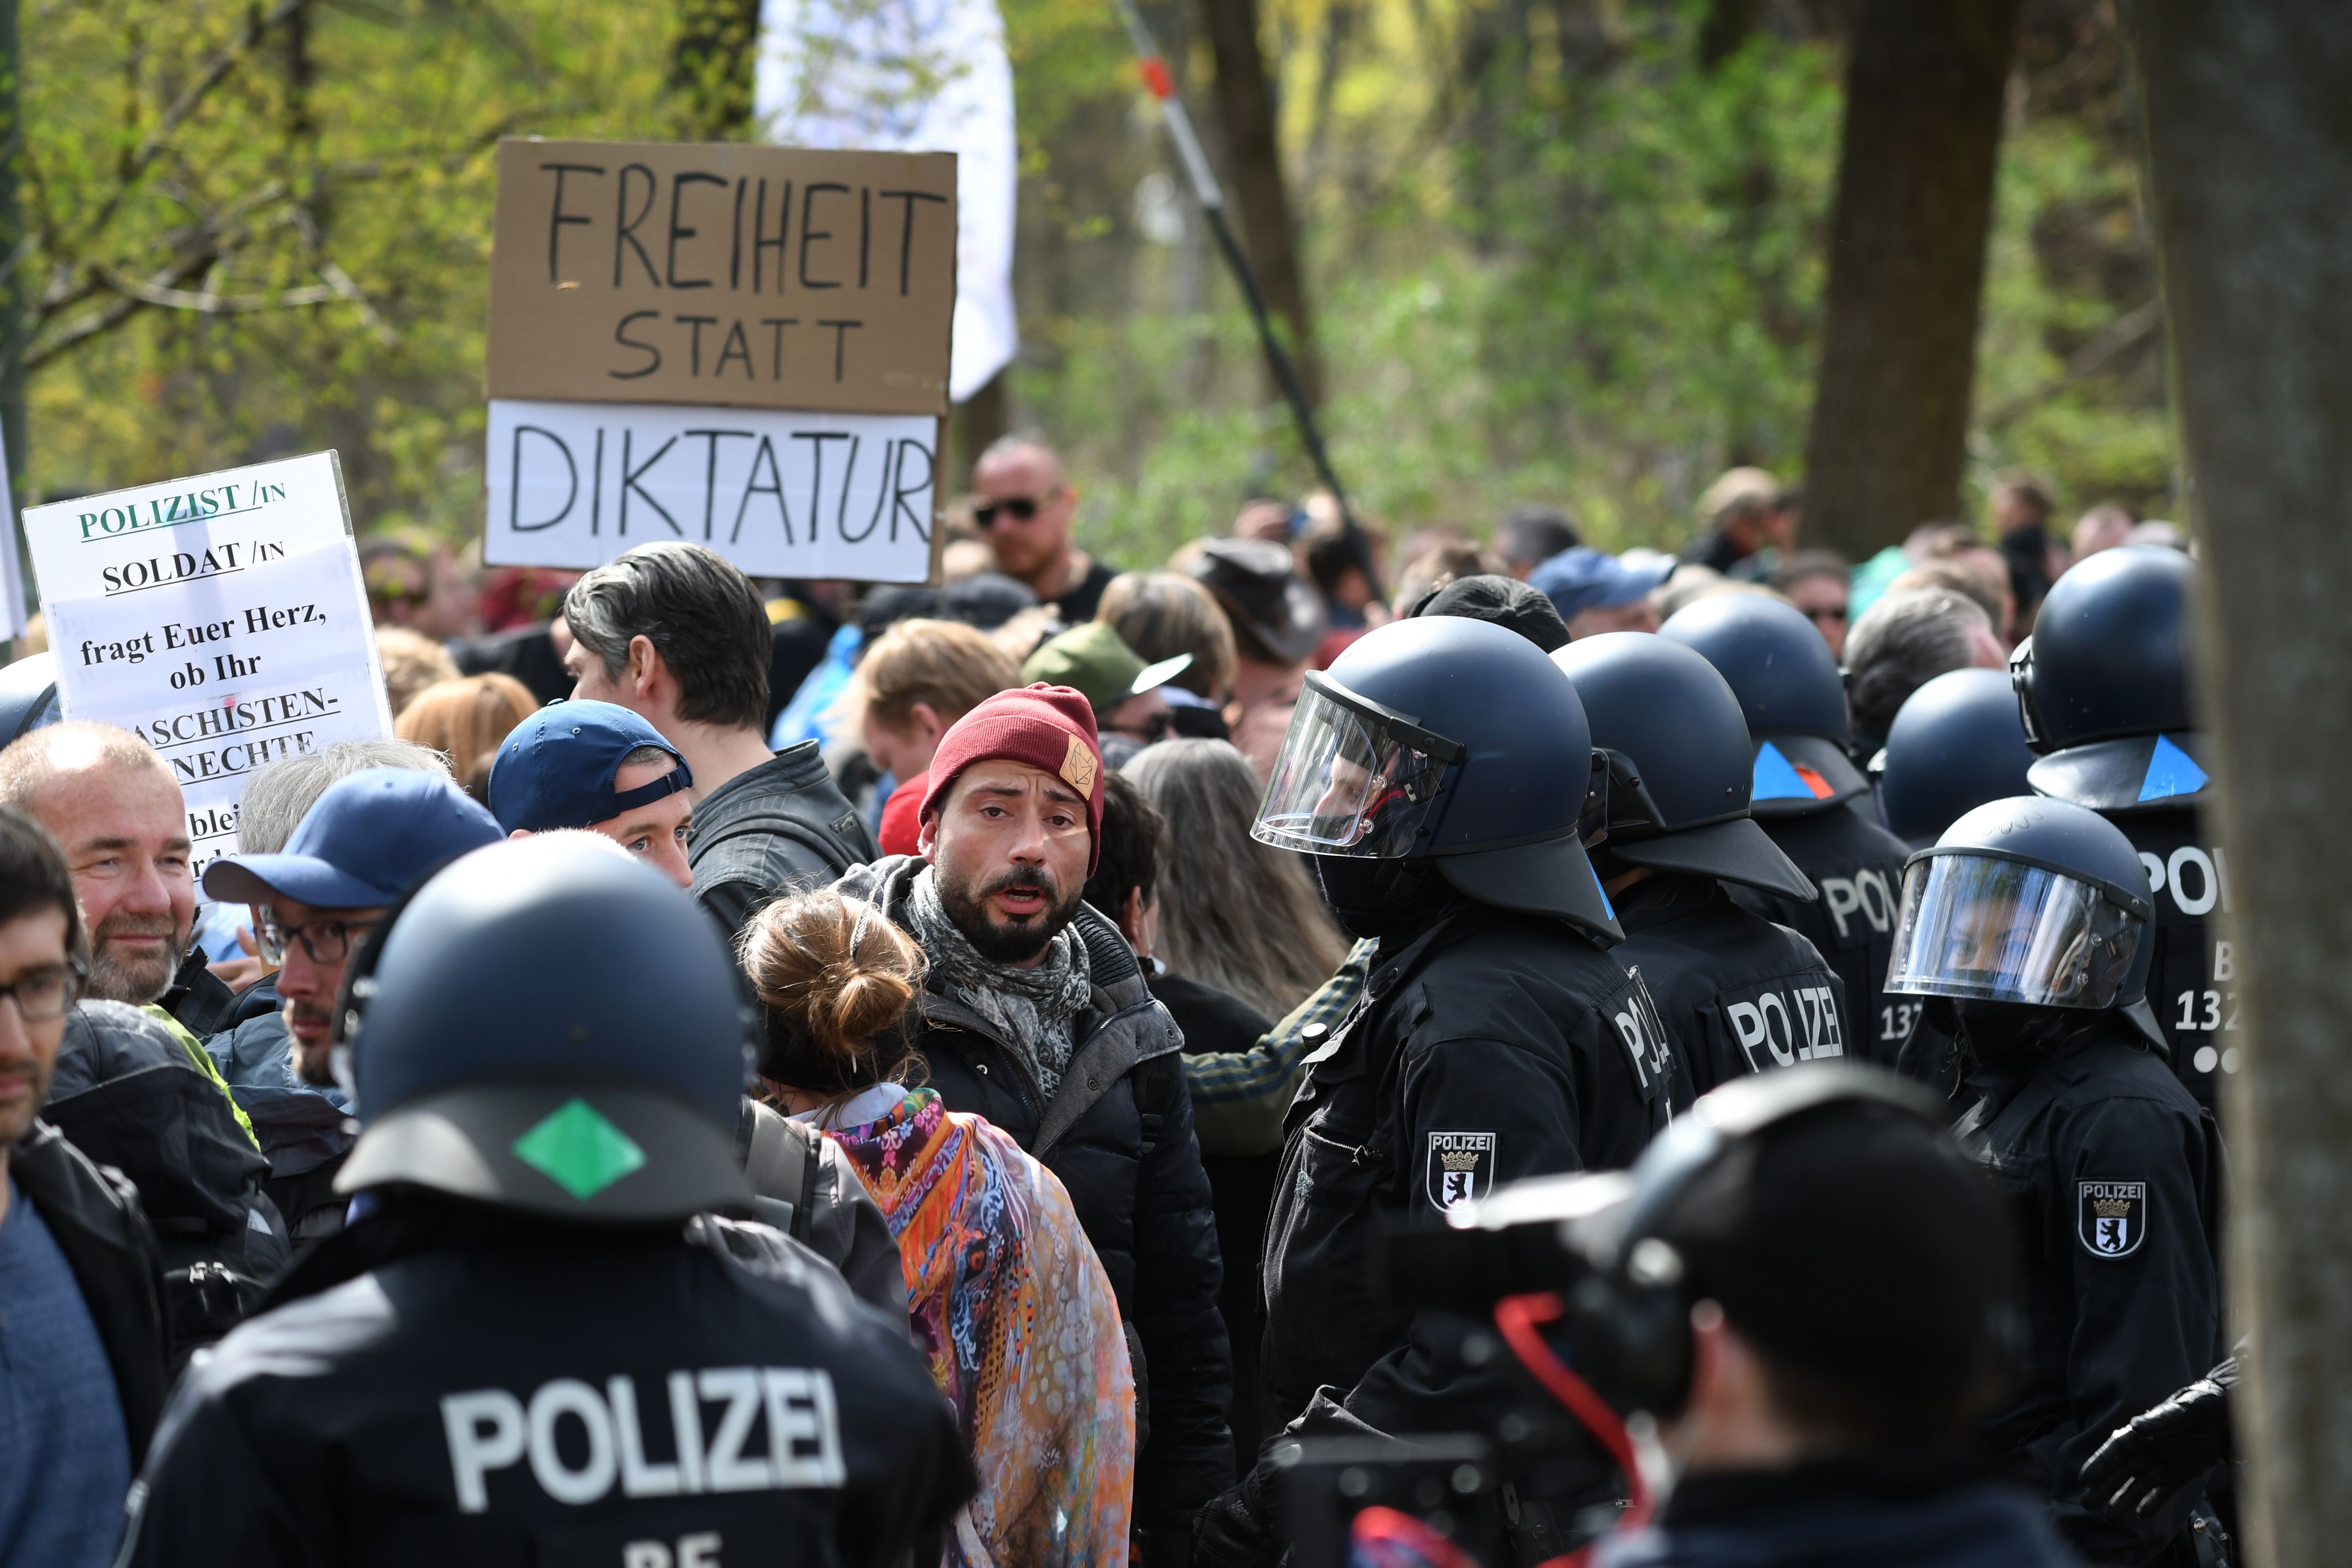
[{"x": 1572, "y": 250}]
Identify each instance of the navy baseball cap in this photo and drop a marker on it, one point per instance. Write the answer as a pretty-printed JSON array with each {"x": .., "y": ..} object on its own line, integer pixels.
[
  {"x": 1588, "y": 579},
  {"x": 366, "y": 841},
  {"x": 560, "y": 767}
]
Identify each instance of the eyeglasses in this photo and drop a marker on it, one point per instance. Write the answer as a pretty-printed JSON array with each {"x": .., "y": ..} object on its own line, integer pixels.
[
  {"x": 1158, "y": 727},
  {"x": 327, "y": 942},
  {"x": 1022, "y": 508},
  {"x": 45, "y": 994}
]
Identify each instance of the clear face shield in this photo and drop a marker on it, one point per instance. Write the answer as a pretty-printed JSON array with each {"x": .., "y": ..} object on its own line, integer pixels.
[
  {"x": 1353, "y": 778},
  {"x": 1994, "y": 929}
]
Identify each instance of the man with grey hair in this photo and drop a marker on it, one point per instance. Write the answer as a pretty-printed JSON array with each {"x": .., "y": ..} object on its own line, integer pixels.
[
  {"x": 677, "y": 634},
  {"x": 1024, "y": 504},
  {"x": 1903, "y": 642}
]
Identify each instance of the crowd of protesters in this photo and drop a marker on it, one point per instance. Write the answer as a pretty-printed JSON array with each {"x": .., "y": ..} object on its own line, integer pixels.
[{"x": 1031, "y": 1001}]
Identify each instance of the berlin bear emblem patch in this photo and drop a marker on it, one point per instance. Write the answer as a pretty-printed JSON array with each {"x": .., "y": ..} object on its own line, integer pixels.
[
  {"x": 1460, "y": 1167},
  {"x": 2113, "y": 1217}
]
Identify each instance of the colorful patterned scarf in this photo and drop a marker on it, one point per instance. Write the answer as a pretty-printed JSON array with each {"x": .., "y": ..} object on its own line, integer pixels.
[{"x": 1017, "y": 1317}]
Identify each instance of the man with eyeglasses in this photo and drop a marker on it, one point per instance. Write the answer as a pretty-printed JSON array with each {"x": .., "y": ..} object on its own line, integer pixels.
[
  {"x": 1024, "y": 505},
  {"x": 370, "y": 838},
  {"x": 83, "y": 1337},
  {"x": 1818, "y": 584}
]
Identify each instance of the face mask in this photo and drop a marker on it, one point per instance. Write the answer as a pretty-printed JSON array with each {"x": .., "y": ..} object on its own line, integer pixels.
[
  {"x": 2000, "y": 1031},
  {"x": 1375, "y": 898}
]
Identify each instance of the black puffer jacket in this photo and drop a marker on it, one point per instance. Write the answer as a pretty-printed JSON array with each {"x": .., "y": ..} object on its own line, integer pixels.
[
  {"x": 95, "y": 1217},
  {"x": 1119, "y": 1133},
  {"x": 777, "y": 829}
]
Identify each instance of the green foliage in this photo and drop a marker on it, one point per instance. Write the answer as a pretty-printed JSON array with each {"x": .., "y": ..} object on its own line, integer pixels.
[{"x": 264, "y": 230}]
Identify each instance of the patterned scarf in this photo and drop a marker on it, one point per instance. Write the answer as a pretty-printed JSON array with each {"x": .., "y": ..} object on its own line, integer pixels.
[{"x": 1031, "y": 1009}]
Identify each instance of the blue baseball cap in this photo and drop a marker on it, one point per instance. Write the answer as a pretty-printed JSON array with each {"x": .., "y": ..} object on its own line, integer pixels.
[
  {"x": 560, "y": 767},
  {"x": 366, "y": 841},
  {"x": 1583, "y": 578}
]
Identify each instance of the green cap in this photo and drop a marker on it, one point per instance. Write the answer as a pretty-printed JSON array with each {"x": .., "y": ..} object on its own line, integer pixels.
[{"x": 1104, "y": 669}]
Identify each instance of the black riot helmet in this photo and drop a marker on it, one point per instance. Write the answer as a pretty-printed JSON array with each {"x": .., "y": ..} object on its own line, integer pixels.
[
  {"x": 2103, "y": 684},
  {"x": 29, "y": 695},
  {"x": 1450, "y": 741},
  {"x": 1790, "y": 692},
  {"x": 2028, "y": 900},
  {"x": 1678, "y": 762},
  {"x": 547, "y": 1026},
  {"x": 1956, "y": 744}
]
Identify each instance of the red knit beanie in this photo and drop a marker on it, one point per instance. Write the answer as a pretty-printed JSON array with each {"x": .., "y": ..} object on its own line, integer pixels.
[{"x": 1051, "y": 728}]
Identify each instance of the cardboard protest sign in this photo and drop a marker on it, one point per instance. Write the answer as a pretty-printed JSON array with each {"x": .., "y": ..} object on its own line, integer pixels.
[
  {"x": 780, "y": 494},
  {"x": 740, "y": 345},
  {"x": 221, "y": 618},
  {"x": 722, "y": 275}
]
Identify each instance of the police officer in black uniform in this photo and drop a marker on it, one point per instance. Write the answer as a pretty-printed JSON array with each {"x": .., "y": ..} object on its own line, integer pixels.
[
  {"x": 2103, "y": 687},
  {"x": 2029, "y": 921},
  {"x": 1435, "y": 775},
  {"x": 538, "y": 1346},
  {"x": 1738, "y": 994},
  {"x": 1956, "y": 743},
  {"x": 1811, "y": 798}
]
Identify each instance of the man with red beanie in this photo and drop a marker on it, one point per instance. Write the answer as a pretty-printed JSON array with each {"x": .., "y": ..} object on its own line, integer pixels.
[{"x": 1035, "y": 1016}]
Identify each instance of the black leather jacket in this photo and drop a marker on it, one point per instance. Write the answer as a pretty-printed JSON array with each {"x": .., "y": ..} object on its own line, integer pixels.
[{"x": 777, "y": 829}]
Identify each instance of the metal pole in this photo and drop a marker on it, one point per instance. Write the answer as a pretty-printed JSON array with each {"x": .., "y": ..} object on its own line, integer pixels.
[{"x": 1162, "y": 86}]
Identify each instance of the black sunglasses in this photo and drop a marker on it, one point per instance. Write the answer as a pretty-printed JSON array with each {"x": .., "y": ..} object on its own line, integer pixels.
[{"x": 1023, "y": 509}]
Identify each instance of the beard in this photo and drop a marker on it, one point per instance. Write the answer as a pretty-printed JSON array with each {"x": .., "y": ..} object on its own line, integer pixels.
[
  {"x": 116, "y": 975},
  {"x": 1010, "y": 940},
  {"x": 313, "y": 1064}
]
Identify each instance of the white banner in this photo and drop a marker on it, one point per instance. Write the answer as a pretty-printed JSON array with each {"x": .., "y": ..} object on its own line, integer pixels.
[
  {"x": 842, "y": 496},
  {"x": 912, "y": 76},
  {"x": 222, "y": 618}
]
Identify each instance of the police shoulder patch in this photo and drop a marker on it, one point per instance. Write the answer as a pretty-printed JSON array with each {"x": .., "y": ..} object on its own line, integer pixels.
[
  {"x": 1460, "y": 1167},
  {"x": 2110, "y": 1217}
]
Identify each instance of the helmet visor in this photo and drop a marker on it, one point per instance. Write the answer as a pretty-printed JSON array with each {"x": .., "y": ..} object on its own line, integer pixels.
[
  {"x": 1352, "y": 779},
  {"x": 2002, "y": 931}
]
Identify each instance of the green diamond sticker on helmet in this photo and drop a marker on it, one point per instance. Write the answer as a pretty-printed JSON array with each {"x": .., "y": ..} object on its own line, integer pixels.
[{"x": 579, "y": 1150}]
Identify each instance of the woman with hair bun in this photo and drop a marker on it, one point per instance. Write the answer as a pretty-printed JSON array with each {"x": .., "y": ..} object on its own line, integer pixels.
[{"x": 1006, "y": 1296}]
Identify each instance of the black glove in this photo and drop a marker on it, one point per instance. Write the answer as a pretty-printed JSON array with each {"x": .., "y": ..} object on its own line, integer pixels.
[
  {"x": 1233, "y": 1529},
  {"x": 2143, "y": 1465}
]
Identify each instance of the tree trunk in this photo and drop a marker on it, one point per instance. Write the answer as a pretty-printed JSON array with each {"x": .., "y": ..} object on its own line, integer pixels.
[
  {"x": 2249, "y": 156},
  {"x": 1246, "y": 112},
  {"x": 14, "y": 280},
  {"x": 1924, "y": 91},
  {"x": 711, "y": 68}
]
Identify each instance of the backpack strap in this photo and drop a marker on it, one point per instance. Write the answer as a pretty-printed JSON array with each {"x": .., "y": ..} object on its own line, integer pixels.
[
  {"x": 1157, "y": 1082},
  {"x": 780, "y": 1157}
]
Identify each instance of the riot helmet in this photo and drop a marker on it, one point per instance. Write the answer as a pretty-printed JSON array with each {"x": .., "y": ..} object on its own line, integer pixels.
[
  {"x": 2103, "y": 684},
  {"x": 549, "y": 1027},
  {"x": 1447, "y": 740},
  {"x": 1956, "y": 744},
  {"x": 2030, "y": 901},
  {"x": 1679, "y": 765},
  {"x": 29, "y": 695},
  {"x": 1789, "y": 693}
]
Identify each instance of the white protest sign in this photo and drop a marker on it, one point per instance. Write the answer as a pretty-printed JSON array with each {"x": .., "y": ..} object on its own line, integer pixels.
[
  {"x": 222, "y": 618},
  {"x": 781, "y": 494}
]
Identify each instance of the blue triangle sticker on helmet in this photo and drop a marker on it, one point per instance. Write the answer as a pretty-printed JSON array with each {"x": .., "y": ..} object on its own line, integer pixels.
[
  {"x": 2170, "y": 771},
  {"x": 1776, "y": 779}
]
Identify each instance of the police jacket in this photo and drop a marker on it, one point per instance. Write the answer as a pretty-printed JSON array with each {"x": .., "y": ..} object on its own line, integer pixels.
[
  {"x": 445, "y": 1386},
  {"x": 1119, "y": 1133},
  {"x": 1737, "y": 993},
  {"x": 2192, "y": 980},
  {"x": 2115, "y": 1175},
  {"x": 776, "y": 828},
  {"x": 1487, "y": 1046},
  {"x": 95, "y": 1217},
  {"x": 1843, "y": 1513},
  {"x": 1858, "y": 867}
]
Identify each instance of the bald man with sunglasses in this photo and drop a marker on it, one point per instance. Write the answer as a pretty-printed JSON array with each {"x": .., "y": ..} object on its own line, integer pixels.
[{"x": 1024, "y": 505}]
